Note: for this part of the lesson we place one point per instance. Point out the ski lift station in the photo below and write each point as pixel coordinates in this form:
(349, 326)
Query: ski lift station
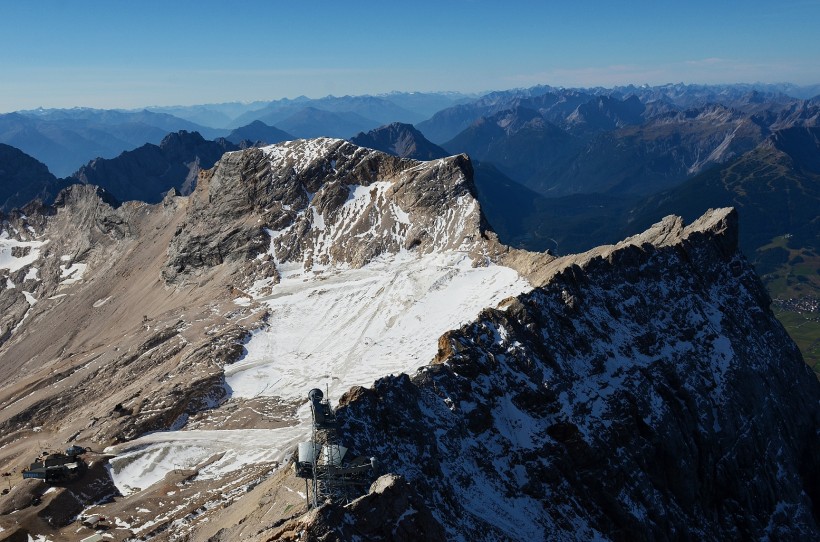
(57, 468)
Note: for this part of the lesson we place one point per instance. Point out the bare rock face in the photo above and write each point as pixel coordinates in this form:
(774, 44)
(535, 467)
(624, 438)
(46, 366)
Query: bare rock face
(298, 200)
(391, 511)
(34, 268)
(645, 392)
(85, 318)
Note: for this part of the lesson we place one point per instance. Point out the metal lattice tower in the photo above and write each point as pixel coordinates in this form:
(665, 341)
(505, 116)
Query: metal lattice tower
(328, 474)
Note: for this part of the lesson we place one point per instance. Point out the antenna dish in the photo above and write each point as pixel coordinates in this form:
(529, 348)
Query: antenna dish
(315, 395)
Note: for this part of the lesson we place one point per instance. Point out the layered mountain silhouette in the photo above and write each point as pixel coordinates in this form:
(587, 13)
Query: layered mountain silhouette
(385, 108)
(401, 140)
(520, 142)
(258, 131)
(64, 139)
(23, 178)
(557, 104)
(312, 122)
(378, 110)
(620, 147)
(147, 173)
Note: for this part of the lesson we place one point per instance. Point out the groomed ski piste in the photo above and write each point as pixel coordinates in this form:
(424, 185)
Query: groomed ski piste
(330, 328)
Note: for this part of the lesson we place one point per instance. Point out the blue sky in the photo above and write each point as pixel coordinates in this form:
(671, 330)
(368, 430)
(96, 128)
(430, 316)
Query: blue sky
(140, 53)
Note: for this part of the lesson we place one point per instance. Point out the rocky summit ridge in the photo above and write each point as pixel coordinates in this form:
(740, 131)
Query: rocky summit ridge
(644, 391)
(326, 202)
(638, 391)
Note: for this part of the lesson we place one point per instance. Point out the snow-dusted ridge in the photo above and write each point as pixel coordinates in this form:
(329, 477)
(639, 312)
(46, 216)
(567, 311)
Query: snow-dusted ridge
(619, 399)
(375, 259)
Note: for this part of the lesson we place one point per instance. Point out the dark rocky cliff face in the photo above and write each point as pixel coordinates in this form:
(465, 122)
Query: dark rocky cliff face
(22, 179)
(643, 392)
(401, 140)
(149, 172)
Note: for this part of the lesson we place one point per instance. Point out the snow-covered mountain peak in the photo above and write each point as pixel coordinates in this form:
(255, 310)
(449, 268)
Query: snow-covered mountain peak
(327, 202)
(359, 260)
(301, 154)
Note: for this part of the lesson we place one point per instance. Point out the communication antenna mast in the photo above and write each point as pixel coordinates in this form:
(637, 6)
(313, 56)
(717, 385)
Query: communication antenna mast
(322, 461)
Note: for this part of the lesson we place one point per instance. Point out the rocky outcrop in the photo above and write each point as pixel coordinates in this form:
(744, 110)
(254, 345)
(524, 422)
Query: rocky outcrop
(324, 201)
(644, 392)
(391, 511)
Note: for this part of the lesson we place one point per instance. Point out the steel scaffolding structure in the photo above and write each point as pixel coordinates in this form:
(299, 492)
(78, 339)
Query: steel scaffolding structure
(322, 461)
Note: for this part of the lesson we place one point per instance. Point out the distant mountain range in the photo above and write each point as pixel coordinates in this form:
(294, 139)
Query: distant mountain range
(383, 108)
(66, 139)
(370, 109)
(258, 131)
(557, 104)
(610, 145)
(312, 122)
(147, 173)
(520, 142)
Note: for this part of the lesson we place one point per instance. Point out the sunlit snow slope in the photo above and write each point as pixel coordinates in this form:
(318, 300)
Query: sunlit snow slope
(369, 276)
(346, 328)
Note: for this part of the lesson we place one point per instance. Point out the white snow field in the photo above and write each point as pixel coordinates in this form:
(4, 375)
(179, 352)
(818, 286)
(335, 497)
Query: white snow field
(14, 263)
(333, 330)
(350, 327)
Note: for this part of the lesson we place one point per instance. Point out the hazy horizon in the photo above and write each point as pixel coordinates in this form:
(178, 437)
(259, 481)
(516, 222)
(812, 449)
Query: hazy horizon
(445, 91)
(133, 55)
